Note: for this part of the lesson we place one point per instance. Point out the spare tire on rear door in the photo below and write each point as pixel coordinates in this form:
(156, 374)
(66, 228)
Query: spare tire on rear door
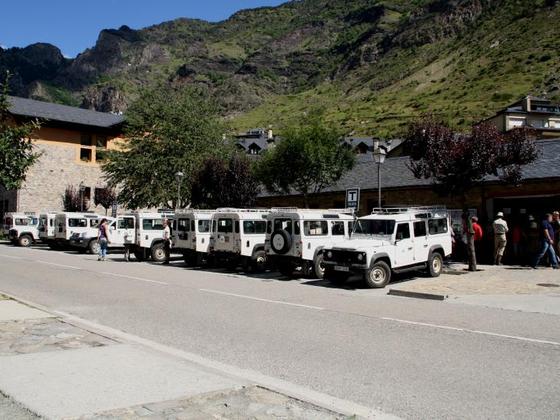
(281, 241)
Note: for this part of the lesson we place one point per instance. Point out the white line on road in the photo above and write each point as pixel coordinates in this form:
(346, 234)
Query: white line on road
(13, 258)
(58, 265)
(124, 276)
(446, 327)
(218, 292)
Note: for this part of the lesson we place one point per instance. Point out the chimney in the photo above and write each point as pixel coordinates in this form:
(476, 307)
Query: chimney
(526, 105)
(269, 134)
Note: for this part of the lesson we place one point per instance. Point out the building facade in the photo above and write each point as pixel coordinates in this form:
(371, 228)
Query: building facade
(72, 143)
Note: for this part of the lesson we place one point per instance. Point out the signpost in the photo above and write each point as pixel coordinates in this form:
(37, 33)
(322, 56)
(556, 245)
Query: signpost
(353, 198)
(114, 208)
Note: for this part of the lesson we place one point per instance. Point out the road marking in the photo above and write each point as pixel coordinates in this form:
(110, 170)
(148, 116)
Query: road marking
(218, 292)
(58, 265)
(9, 256)
(124, 276)
(447, 327)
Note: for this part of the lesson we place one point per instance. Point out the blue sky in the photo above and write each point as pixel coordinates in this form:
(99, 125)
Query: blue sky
(73, 25)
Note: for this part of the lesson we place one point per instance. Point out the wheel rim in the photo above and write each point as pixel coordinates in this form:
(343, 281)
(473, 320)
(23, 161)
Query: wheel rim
(95, 248)
(25, 241)
(278, 243)
(436, 265)
(321, 267)
(260, 261)
(159, 254)
(377, 275)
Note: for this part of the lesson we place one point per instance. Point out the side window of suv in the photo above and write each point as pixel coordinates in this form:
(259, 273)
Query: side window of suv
(420, 229)
(437, 226)
(403, 231)
(338, 228)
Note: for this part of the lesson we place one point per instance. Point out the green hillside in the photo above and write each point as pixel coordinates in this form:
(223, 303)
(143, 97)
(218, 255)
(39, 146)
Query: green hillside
(371, 65)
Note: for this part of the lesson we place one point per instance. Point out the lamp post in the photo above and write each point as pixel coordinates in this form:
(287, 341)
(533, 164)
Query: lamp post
(179, 177)
(379, 157)
(82, 189)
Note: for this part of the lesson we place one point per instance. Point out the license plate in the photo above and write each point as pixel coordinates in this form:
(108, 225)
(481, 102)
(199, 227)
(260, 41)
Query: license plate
(341, 268)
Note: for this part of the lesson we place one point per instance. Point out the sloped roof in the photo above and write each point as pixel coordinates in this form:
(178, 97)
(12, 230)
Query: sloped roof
(395, 172)
(62, 113)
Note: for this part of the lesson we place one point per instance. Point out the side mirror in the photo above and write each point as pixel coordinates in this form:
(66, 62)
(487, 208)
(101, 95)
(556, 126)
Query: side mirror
(113, 228)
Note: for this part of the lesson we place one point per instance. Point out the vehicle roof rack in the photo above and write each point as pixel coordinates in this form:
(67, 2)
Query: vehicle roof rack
(294, 209)
(409, 209)
(234, 210)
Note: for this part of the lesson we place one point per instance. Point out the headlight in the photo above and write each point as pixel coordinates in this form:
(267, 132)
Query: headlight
(329, 255)
(360, 257)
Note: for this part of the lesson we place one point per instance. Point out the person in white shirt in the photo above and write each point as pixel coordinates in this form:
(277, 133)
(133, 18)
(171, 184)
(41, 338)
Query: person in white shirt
(166, 240)
(500, 227)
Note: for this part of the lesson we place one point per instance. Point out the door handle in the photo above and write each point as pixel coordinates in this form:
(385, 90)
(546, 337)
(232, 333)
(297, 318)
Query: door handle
(426, 246)
(410, 249)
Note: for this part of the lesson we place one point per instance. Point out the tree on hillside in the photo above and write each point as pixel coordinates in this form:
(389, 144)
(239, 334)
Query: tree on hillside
(225, 183)
(457, 162)
(167, 131)
(16, 148)
(71, 199)
(309, 158)
(105, 197)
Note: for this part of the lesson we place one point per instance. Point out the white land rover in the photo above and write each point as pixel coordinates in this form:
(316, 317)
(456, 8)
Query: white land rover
(21, 228)
(296, 238)
(69, 223)
(149, 235)
(192, 234)
(238, 237)
(391, 240)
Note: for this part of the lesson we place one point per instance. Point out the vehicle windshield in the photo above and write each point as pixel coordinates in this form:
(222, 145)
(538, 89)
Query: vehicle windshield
(374, 227)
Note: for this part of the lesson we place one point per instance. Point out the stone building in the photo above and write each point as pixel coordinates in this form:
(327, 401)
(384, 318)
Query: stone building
(72, 142)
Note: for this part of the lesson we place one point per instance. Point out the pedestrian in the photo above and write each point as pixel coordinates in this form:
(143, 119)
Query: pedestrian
(478, 235)
(516, 237)
(500, 228)
(103, 239)
(556, 227)
(166, 241)
(547, 243)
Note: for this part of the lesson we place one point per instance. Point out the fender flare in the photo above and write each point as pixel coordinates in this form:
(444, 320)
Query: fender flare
(435, 248)
(256, 248)
(381, 255)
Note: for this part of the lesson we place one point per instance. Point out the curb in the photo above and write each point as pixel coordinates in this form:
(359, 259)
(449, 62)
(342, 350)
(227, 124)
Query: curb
(416, 295)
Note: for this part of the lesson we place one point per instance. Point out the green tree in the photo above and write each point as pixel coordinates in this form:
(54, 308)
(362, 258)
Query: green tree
(167, 131)
(105, 197)
(309, 158)
(225, 183)
(72, 199)
(17, 153)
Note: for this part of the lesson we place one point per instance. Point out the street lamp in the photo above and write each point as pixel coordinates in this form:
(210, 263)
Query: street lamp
(179, 177)
(82, 189)
(379, 157)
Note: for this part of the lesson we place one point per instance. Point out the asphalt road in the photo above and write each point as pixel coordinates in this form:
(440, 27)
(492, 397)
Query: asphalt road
(411, 358)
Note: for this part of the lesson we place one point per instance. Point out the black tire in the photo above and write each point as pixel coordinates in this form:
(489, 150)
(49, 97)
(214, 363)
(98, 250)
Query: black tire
(335, 277)
(25, 241)
(189, 258)
(259, 262)
(378, 276)
(139, 254)
(318, 266)
(435, 264)
(158, 252)
(281, 241)
(94, 247)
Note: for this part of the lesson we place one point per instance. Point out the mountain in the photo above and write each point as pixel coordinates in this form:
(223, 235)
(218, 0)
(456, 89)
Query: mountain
(371, 65)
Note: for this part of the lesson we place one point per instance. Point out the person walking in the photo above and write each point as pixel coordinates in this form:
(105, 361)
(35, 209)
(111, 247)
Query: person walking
(103, 239)
(547, 243)
(477, 235)
(166, 241)
(500, 228)
(556, 227)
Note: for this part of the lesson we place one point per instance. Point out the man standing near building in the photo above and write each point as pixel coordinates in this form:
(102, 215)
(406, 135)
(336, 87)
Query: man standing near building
(166, 240)
(477, 233)
(500, 227)
(547, 243)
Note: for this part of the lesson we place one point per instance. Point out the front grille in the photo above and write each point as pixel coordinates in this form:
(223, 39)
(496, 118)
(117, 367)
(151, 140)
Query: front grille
(343, 257)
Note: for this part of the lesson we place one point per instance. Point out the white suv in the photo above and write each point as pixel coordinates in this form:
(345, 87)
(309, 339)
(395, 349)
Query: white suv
(21, 228)
(238, 237)
(391, 240)
(46, 228)
(149, 235)
(296, 238)
(191, 235)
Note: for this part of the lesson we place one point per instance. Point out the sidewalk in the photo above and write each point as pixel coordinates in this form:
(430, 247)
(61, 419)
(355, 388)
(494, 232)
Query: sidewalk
(58, 370)
(506, 287)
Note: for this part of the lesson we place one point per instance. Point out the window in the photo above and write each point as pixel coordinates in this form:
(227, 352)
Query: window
(283, 224)
(374, 227)
(73, 223)
(338, 228)
(237, 226)
(403, 231)
(225, 225)
(152, 224)
(100, 148)
(85, 155)
(214, 226)
(420, 229)
(184, 225)
(23, 221)
(94, 222)
(204, 226)
(254, 227)
(436, 226)
(315, 228)
(126, 223)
